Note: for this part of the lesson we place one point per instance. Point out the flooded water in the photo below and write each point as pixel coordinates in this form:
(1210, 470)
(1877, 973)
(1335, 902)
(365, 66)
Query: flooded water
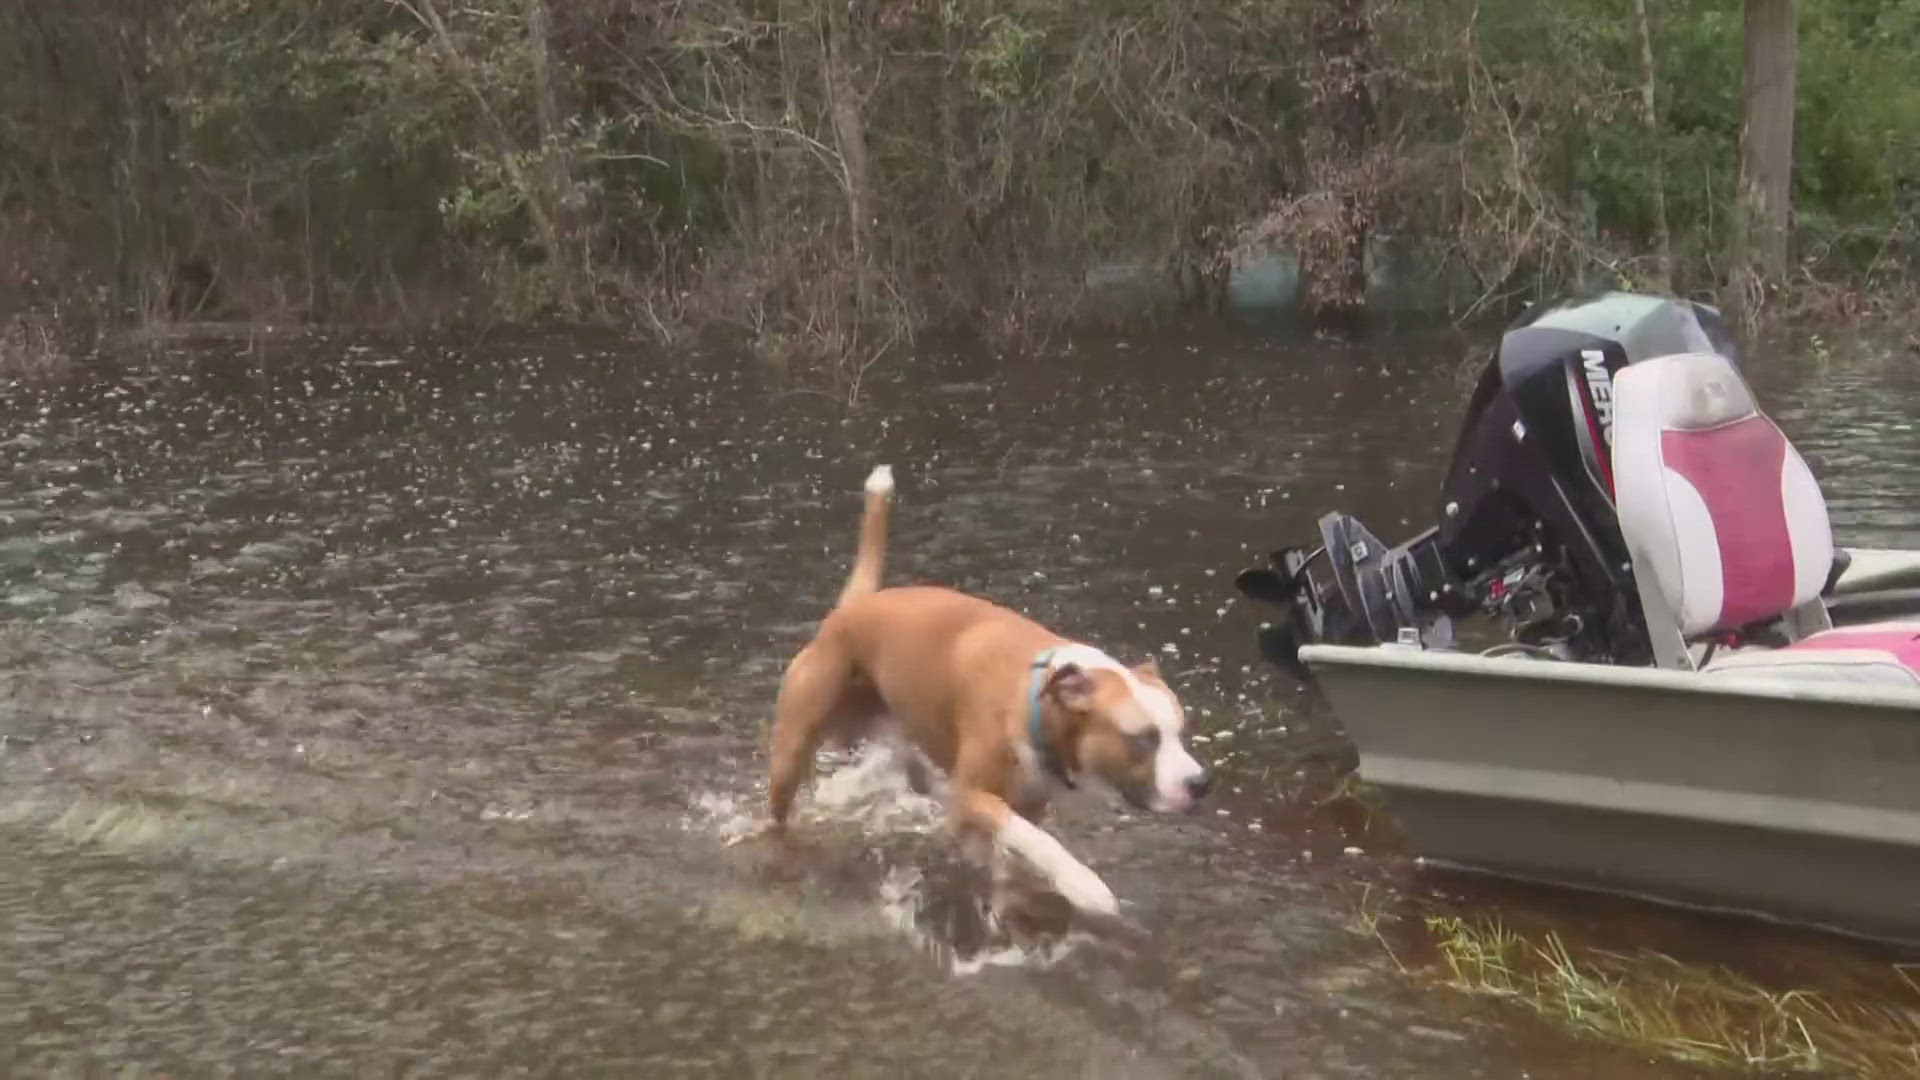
(383, 708)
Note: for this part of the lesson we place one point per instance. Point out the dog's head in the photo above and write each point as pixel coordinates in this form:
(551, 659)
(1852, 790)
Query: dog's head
(1123, 725)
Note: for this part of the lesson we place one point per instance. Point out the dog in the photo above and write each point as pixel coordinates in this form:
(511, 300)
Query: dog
(1010, 711)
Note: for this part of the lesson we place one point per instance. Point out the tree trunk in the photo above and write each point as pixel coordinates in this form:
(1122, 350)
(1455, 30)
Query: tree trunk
(846, 112)
(146, 195)
(1766, 145)
(1335, 261)
(555, 165)
(1650, 117)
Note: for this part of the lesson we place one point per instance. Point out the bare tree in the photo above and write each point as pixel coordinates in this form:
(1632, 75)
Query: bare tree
(1335, 261)
(848, 121)
(535, 190)
(558, 191)
(1650, 116)
(1766, 149)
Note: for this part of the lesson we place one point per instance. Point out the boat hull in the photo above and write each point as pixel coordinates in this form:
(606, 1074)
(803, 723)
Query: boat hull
(1798, 803)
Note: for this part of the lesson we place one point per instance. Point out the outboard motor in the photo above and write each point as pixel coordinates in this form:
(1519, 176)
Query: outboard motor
(1527, 531)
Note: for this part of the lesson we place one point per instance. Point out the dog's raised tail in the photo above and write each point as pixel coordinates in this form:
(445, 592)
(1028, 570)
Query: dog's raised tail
(871, 559)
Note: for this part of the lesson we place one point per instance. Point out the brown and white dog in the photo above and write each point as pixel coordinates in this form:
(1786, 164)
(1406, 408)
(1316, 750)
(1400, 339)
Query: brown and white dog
(1007, 708)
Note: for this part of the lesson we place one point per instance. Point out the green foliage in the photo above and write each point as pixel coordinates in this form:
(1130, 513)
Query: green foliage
(1557, 166)
(1857, 172)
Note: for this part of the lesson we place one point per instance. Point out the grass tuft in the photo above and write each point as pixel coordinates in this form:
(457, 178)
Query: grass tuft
(1700, 1013)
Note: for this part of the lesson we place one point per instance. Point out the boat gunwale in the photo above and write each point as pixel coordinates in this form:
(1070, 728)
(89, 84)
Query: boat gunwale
(1530, 668)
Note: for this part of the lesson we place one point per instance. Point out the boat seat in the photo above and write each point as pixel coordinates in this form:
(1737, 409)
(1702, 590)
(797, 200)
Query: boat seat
(1726, 527)
(1876, 654)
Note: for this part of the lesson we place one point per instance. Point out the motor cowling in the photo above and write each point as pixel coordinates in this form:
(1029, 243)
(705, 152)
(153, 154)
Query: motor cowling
(1525, 529)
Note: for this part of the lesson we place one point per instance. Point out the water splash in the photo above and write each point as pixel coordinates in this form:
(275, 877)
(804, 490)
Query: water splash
(870, 790)
(905, 899)
(728, 815)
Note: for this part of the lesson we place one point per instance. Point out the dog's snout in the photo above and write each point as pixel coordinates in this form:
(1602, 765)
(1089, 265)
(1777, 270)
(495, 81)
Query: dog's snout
(1199, 784)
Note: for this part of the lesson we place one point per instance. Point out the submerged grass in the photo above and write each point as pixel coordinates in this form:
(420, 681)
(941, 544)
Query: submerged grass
(1702, 1013)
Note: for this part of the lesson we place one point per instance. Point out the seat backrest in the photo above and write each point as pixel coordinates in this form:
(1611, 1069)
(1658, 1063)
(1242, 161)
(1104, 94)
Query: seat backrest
(1721, 515)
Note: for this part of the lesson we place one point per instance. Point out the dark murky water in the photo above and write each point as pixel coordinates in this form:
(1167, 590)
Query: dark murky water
(381, 709)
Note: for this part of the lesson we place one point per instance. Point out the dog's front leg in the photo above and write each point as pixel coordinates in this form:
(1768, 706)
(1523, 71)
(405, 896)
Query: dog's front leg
(979, 815)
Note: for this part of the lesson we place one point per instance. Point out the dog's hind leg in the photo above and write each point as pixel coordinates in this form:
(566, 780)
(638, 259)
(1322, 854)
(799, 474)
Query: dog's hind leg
(818, 698)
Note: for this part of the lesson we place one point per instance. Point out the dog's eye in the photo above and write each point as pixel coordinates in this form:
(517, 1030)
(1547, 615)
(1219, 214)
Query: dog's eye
(1146, 741)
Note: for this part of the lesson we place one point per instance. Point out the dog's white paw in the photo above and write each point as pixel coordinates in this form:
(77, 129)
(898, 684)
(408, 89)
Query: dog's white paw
(880, 480)
(766, 830)
(1070, 877)
(1085, 891)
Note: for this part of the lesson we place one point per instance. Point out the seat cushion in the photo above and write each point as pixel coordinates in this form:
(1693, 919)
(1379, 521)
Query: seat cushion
(1715, 504)
(1872, 654)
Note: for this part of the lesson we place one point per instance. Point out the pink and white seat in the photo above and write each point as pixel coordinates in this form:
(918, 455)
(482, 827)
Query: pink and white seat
(1876, 654)
(1727, 527)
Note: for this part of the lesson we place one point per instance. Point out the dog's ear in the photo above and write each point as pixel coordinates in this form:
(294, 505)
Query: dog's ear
(1149, 669)
(1071, 687)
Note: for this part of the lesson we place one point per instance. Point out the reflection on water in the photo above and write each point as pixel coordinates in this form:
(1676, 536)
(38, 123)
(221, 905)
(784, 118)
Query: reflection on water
(377, 705)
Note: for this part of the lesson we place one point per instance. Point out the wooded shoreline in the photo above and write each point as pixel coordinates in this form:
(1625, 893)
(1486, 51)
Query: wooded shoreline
(829, 179)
